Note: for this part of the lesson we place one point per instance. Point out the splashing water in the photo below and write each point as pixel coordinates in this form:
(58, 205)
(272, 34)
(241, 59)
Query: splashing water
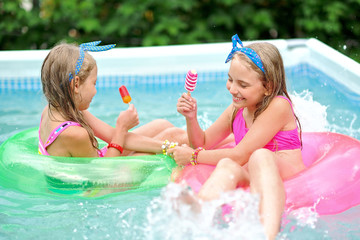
(177, 214)
(312, 114)
(305, 217)
(302, 221)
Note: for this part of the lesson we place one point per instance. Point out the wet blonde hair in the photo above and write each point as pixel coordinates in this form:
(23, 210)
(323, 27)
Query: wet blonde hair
(59, 93)
(273, 80)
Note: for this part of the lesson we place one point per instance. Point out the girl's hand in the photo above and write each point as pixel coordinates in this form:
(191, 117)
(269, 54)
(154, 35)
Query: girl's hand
(128, 118)
(187, 106)
(182, 154)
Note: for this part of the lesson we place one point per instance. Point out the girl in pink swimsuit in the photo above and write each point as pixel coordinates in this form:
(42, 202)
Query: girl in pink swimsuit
(266, 130)
(68, 76)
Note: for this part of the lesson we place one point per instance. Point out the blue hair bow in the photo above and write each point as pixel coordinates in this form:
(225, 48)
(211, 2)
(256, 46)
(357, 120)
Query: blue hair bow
(92, 47)
(254, 57)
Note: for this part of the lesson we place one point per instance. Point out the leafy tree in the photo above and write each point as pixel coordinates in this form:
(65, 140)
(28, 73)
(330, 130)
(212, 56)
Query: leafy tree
(37, 24)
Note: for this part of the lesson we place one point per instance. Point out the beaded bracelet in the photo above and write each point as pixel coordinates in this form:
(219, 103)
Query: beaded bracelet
(117, 146)
(194, 156)
(167, 145)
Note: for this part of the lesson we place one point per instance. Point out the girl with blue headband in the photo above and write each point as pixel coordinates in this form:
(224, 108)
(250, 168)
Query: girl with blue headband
(266, 131)
(68, 129)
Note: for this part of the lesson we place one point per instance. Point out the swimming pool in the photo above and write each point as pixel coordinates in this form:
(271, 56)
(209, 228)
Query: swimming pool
(325, 99)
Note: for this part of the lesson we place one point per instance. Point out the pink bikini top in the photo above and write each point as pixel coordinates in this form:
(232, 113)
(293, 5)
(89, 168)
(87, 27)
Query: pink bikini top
(55, 133)
(283, 140)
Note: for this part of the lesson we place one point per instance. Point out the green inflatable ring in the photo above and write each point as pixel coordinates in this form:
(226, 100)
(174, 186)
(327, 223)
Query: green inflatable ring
(22, 168)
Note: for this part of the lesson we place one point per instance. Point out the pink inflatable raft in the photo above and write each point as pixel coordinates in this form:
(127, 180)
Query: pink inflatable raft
(330, 184)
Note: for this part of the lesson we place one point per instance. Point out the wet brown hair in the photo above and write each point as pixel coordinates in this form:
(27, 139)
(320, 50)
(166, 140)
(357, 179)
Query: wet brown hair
(59, 93)
(273, 80)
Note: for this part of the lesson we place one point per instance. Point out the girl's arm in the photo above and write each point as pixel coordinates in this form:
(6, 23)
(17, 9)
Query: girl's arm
(125, 121)
(187, 106)
(79, 145)
(101, 129)
(133, 142)
(219, 130)
(77, 142)
(138, 143)
(272, 120)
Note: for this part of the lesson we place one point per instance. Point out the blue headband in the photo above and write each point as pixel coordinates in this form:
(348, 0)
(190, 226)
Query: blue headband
(92, 47)
(254, 57)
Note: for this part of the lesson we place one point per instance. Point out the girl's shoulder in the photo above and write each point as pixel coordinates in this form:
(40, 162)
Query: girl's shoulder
(76, 140)
(74, 133)
(278, 108)
(281, 108)
(281, 103)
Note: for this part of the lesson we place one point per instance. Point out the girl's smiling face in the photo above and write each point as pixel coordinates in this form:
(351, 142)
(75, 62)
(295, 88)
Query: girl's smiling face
(244, 85)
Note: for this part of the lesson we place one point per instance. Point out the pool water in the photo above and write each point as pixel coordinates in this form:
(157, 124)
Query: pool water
(321, 103)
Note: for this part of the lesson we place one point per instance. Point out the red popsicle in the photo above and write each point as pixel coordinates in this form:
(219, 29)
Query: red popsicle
(124, 94)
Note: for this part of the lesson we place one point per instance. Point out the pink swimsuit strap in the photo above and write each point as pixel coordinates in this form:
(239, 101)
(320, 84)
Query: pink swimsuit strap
(56, 132)
(283, 140)
(53, 135)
